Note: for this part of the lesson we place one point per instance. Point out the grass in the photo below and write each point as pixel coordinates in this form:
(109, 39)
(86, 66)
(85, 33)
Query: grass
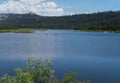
(27, 30)
(16, 30)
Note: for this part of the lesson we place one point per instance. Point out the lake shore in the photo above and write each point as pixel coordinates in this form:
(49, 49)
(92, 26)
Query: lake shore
(105, 31)
(17, 30)
(28, 30)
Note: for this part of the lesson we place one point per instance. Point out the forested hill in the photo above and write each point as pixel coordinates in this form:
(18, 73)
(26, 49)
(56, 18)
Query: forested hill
(109, 20)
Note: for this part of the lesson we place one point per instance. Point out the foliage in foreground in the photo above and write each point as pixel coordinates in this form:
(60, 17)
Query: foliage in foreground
(38, 72)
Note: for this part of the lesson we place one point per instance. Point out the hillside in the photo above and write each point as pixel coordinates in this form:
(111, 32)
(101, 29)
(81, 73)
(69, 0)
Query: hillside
(109, 20)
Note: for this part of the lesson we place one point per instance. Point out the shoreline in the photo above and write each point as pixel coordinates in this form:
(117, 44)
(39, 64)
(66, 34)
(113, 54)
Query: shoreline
(17, 30)
(28, 30)
(105, 31)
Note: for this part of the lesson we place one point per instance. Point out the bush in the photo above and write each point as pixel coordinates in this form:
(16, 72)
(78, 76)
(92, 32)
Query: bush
(38, 72)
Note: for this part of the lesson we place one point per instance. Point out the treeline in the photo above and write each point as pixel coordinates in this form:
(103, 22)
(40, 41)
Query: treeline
(109, 20)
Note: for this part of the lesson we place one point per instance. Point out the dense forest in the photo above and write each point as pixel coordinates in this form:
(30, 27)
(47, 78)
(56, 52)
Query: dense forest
(109, 20)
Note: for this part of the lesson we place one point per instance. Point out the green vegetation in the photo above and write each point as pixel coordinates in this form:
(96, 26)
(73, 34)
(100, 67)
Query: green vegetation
(38, 72)
(19, 30)
(101, 21)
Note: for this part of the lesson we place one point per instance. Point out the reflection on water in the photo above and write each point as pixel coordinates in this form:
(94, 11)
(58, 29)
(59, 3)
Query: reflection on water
(95, 55)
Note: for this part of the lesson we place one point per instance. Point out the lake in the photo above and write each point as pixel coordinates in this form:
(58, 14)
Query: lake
(94, 55)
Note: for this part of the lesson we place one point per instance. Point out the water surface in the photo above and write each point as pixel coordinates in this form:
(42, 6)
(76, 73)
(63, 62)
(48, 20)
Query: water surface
(95, 55)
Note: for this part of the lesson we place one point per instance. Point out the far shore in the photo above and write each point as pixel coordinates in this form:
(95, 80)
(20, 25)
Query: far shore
(30, 30)
(20, 30)
(105, 31)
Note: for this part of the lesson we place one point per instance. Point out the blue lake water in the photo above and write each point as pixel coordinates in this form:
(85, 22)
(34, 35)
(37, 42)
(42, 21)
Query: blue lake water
(94, 55)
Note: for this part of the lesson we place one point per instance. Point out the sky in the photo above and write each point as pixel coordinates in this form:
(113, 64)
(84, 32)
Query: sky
(58, 7)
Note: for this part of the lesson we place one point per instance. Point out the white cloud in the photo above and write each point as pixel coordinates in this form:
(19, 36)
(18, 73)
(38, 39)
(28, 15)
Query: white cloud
(41, 7)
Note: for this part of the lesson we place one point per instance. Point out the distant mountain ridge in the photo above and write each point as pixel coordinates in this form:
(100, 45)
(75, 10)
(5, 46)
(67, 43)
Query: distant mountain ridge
(3, 17)
(109, 20)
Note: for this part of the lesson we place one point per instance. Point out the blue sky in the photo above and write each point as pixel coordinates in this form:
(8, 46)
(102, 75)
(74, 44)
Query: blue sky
(61, 7)
(81, 6)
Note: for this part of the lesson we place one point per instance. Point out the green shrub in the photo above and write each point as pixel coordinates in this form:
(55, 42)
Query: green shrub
(38, 72)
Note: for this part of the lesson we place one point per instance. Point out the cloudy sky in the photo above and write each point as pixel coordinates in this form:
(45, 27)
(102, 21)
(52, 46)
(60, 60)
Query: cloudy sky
(57, 7)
